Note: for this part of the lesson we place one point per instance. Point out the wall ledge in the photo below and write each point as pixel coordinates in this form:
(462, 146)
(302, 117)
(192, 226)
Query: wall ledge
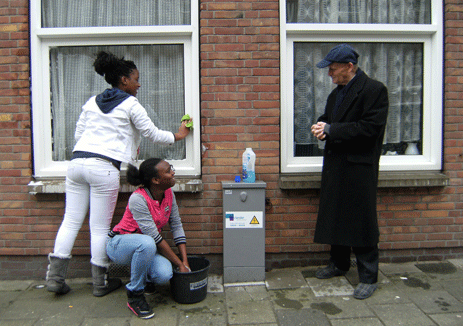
(399, 179)
(58, 185)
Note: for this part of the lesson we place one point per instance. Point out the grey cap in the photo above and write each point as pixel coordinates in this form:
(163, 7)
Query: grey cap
(343, 53)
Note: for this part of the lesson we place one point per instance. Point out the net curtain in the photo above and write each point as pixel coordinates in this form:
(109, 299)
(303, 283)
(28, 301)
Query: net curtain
(74, 80)
(398, 65)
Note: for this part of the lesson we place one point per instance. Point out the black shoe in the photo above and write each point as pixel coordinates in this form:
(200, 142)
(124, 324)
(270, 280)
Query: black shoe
(137, 303)
(364, 291)
(150, 288)
(329, 272)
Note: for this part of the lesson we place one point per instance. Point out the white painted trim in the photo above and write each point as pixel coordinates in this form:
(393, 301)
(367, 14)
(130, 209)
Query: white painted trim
(42, 39)
(430, 35)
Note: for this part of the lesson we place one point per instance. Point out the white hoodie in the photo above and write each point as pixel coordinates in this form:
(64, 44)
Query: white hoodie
(117, 134)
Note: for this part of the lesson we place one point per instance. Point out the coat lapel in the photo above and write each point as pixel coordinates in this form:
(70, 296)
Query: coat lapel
(350, 97)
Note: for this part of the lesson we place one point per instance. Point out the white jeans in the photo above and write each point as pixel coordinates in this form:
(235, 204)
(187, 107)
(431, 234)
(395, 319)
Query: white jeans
(90, 183)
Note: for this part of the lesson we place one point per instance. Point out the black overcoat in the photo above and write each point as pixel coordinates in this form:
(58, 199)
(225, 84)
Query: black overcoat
(347, 214)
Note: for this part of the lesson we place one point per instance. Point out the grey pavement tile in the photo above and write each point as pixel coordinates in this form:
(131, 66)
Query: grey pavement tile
(115, 321)
(391, 269)
(336, 286)
(436, 302)
(215, 284)
(6, 298)
(17, 322)
(388, 293)
(301, 317)
(342, 307)
(198, 319)
(250, 312)
(441, 270)
(456, 262)
(291, 299)
(451, 319)
(406, 314)
(163, 316)
(246, 293)
(284, 279)
(357, 322)
(9, 286)
(454, 288)
(415, 282)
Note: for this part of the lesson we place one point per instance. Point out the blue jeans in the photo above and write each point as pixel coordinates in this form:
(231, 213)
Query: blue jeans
(140, 252)
(91, 183)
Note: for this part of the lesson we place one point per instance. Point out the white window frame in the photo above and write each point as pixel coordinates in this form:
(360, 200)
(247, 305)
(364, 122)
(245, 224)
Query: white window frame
(430, 35)
(43, 39)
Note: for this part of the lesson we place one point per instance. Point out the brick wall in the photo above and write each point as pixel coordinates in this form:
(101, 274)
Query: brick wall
(240, 107)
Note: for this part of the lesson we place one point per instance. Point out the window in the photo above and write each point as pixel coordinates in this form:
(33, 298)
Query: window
(400, 44)
(160, 36)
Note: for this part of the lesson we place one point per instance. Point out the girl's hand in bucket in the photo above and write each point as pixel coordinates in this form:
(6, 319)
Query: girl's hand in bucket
(184, 269)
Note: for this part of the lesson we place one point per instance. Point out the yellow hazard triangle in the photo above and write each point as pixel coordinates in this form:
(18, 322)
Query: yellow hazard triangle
(254, 220)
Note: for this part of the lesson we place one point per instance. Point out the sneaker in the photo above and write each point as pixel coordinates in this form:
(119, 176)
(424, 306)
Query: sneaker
(329, 272)
(363, 290)
(137, 303)
(150, 288)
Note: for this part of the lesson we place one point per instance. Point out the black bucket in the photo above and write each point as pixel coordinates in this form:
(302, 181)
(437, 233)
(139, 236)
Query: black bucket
(191, 287)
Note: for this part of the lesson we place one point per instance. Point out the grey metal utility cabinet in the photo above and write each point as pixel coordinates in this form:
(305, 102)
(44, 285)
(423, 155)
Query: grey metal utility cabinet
(243, 231)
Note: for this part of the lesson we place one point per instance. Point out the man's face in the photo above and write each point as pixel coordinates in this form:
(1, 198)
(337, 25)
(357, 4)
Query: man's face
(340, 73)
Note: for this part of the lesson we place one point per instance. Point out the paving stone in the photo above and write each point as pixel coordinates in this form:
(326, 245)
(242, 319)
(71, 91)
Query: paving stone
(401, 268)
(415, 282)
(406, 314)
(451, 319)
(436, 302)
(251, 312)
(342, 307)
(215, 284)
(388, 293)
(284, 279)
(441, 270)
(357, 322)
(336, 286)
(454, 288)
(456, 262)
(293, 298)
(302, 317)
(11, 286)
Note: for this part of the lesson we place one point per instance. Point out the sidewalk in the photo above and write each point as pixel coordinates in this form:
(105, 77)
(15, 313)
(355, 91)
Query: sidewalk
(417, 294)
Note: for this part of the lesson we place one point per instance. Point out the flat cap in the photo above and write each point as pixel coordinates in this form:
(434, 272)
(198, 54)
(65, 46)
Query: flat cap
(343, 53)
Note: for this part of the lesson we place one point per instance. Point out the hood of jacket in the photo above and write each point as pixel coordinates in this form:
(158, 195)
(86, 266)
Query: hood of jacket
(110, 98)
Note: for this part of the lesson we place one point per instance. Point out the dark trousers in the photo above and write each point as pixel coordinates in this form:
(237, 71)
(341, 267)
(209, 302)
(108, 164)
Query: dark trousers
(367, 261)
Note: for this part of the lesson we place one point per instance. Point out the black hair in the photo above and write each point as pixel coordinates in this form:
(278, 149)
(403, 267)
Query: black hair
(144, 174)
(113, 68)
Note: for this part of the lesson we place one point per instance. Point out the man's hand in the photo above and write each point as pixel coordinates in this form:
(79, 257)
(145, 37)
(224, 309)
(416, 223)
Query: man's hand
(318, 130)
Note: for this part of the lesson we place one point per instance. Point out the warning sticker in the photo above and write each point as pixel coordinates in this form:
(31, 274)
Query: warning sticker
(243, 219)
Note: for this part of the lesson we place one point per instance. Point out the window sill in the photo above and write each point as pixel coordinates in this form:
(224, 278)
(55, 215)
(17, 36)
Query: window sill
(57, 186)
(386, 180)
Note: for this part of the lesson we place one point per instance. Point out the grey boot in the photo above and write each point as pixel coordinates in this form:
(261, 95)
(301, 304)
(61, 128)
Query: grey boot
(56, 274)
(102, 284)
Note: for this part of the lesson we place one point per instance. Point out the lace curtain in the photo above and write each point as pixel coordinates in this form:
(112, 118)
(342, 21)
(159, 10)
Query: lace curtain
(398, 65)
(87, 13)
(74, 80)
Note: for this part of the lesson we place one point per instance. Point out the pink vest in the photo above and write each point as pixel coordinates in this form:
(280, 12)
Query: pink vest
(160, 213)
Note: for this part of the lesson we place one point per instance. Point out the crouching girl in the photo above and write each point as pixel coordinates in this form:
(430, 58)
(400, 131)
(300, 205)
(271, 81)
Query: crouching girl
(136, 240)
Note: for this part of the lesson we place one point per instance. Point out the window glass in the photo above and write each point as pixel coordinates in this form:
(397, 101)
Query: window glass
(359, 11)
(398, 65)
(91, 13)
(74, 81)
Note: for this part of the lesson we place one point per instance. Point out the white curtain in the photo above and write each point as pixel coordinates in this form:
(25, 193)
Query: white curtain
(398, 65)
(74, 80)
(87, 13)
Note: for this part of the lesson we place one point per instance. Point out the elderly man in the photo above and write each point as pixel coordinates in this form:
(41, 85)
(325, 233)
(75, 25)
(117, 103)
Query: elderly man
(353, 128)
